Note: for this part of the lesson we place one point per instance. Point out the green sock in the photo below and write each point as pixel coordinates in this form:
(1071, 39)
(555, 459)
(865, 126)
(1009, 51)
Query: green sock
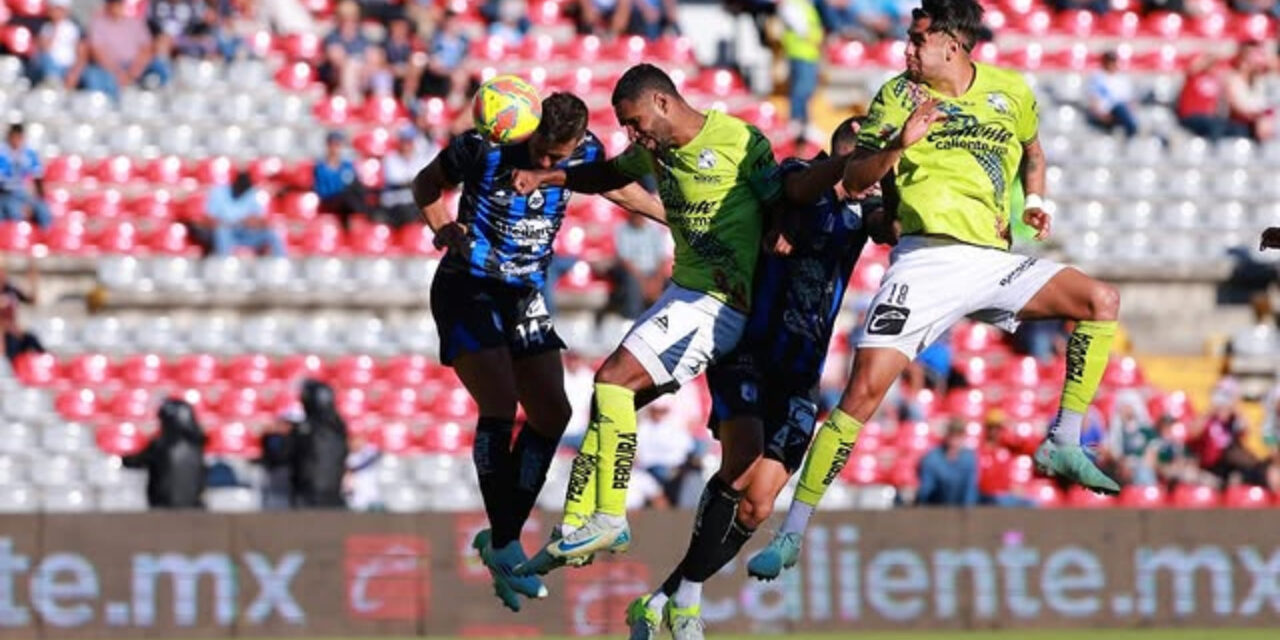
(615, 417)
(827, 456)
(580, 498)
(1087, 353)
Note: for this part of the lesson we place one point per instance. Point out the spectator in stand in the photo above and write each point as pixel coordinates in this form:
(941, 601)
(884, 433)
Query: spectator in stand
(1261, 340)
(121, 53)
(174, 459)
(277, 486)
(640, 273)
(647, 18)
(1246, 97)
(1110, 96)
(995, 462)
(1220, 440)
(1132, 440)
(651, 18)
(182, 27)
(1042, 340)
(510, 21)
(445, 75)
(869, 20)
(362, 487)
(344, 53)
(57, 46)
(399, 167)
(1271, 419)
(22, 181)
(337, 183)
(671, 455)
(239, 220)
(377, 78)
(949, 472)
(1201, 105)
(17, 341)
(398, 49)
(1095, 6)
(802, 37)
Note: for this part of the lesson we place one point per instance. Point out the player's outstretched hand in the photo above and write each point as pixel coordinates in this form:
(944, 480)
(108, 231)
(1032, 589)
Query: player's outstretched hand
(1270, 239)
(453, 236)
(918, 123)
(524, 181)
(1038, 219)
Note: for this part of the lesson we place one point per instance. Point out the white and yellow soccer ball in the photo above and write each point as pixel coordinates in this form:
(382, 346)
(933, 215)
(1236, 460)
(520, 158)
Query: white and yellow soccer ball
(506, 109)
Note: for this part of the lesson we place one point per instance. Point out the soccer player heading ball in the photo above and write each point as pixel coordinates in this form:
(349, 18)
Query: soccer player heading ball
(495, 330)
(954, 135)
(715, 177)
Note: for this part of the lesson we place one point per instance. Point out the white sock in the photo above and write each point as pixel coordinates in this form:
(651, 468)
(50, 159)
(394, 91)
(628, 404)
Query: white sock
(657, 601)
(797, 517)
(1065, 430)
(688, 594)
(611, 520)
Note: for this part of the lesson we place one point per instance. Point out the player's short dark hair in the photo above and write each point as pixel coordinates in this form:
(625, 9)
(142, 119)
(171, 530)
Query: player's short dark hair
(16, 129)
(844, 133)
(641, 79)
(960, 18)
(564, 118)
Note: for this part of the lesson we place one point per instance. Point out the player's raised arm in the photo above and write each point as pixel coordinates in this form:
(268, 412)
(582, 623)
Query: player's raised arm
(635, 199)
(428, 193)
(882, 141)
(808, 186)
(592, 177)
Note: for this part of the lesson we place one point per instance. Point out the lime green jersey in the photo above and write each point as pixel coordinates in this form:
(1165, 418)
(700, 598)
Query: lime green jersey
(956, 180)
(714, 190)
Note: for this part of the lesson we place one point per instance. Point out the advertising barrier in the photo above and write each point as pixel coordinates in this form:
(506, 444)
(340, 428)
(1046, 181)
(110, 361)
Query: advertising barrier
(307, 574)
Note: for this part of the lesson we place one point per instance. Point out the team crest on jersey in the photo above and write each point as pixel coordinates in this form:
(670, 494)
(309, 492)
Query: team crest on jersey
(852, 213)
(998, 102)
(706, 159)
(536, 200)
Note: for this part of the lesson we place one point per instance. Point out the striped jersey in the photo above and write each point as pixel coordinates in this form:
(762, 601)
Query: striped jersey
(511, 235)
(798, 297)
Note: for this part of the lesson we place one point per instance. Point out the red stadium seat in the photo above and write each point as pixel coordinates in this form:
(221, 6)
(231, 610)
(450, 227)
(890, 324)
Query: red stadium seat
(234, 439)
(545, 13)
(1165, 25)
(292, 369)
(1044, 493)
(1256, 27)
(171, 239)
(36, 369)
(248, 370)
(103, 203)
(383, 110)
(447, 437)
(1023, 373)
(115, 170)
(1118, 24)
(92, 369)
(133, 404)
(974, 369)
(69, 168)
(296, 76)
(67, 237)
(416, 239)
(216, 170)
(353, 371)
(1152, 497)
(369, 171)
(1244, 497)
(302, 207)
(397, 437)
(862, 468)
(16, 236)
(17, 39)
(1123, 373)
(674, 50)
(238, 403)
(848, 53)
(332, 111)
(405, 371)
(146, 370)
(399, 403)
(193, 371)
(905, 472)
(321, 239)
(120, 438)
(967, 403)
(1075, 22)
(370, 239)
(165, 170)
(1194, 497)
(266, 169)
(77, 404)
(156, 204)
(1212, 25)
(374, 142)
(352, 403)
(301, 46)
(117, 237)
(888, 54)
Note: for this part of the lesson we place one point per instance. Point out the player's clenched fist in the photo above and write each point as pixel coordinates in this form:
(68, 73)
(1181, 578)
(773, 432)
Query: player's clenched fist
(1038, 219)
(919, 122)
(524, 181)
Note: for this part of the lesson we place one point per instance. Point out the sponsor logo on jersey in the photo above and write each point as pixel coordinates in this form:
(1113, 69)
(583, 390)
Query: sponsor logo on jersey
(706, 159)
(887, 320)
(998, 102)
(536, 200)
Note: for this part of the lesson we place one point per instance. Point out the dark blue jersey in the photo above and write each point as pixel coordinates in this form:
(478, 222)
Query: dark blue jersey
(511, 235)
(798, 297)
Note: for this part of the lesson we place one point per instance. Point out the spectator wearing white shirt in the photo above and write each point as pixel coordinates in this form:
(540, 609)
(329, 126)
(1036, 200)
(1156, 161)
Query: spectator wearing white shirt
(57, 46)
(640, 273)
(240, 222)
(412, 152)
(1110, 96)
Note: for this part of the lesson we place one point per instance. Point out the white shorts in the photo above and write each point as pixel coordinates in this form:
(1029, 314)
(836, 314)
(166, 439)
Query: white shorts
(682, 333)
(932, 283)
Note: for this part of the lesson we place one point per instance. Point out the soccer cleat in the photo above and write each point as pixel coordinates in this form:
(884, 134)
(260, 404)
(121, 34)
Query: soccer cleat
(782, 553)
(643, 621)
(1070, 462)
(501, 564)
(578, 547)
(544, 563)
(686, 623)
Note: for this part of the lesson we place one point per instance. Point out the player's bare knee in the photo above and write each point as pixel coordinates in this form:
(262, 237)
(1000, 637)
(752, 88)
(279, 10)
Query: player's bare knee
(861, 398)
(1104, 302)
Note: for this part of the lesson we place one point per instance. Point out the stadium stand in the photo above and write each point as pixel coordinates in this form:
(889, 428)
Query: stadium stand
(126, 184)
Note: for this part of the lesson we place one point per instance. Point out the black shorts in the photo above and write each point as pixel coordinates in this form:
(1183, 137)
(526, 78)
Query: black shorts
(741, 385)
(473, 314)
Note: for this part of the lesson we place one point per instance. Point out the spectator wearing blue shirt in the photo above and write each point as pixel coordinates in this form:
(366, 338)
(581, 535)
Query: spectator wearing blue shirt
(336, 182)
(344, 53)
(22, 181)
(949, 472)
(239, 219)
(1111, 98)
(445, 75)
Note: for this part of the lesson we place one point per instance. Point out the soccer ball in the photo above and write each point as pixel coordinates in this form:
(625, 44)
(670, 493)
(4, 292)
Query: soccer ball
(506, 109)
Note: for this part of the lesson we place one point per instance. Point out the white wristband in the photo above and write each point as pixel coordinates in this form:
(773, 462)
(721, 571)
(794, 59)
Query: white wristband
(1033, 201)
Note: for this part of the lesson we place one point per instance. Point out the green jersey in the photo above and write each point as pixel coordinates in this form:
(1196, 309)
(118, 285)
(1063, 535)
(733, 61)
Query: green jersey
(714, 190)
(955, 181)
